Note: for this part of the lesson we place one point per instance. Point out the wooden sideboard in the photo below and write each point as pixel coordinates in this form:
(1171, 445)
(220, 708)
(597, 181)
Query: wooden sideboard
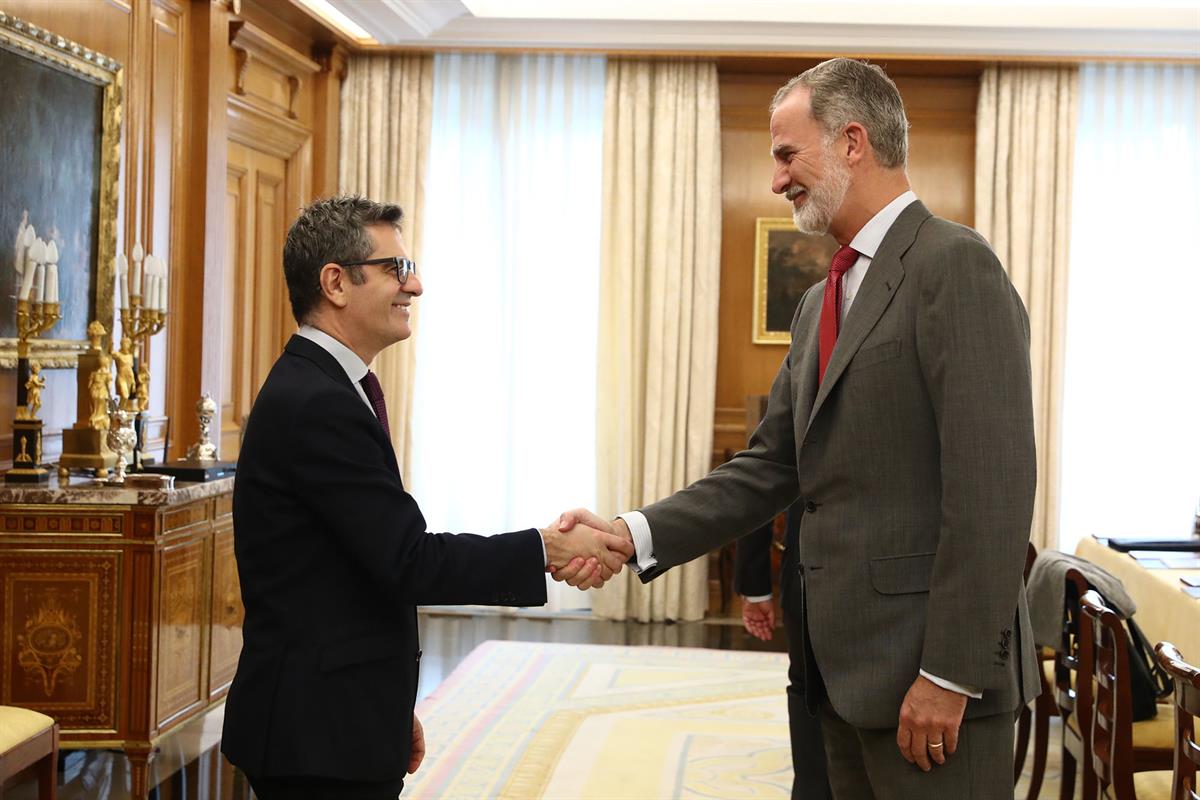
(120, 609)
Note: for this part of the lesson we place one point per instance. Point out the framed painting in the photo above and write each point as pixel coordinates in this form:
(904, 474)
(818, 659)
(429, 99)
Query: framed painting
(786, 263)
(59, 159)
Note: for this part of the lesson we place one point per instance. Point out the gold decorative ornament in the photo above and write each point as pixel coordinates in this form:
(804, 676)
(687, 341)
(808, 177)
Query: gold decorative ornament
(85, 444)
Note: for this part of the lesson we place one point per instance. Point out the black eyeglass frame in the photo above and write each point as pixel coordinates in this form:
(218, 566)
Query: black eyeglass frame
(402, 267)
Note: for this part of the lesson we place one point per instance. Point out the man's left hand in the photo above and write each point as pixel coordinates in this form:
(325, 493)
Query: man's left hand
(418, 746)
(930, 717)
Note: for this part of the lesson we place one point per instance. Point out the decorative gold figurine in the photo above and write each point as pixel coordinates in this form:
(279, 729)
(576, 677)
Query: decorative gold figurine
(85, 444)
(124, 361)
(33, 391)
(99, 392)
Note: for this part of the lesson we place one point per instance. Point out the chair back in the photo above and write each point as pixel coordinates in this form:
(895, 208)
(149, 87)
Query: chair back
(1072, 659)
(1187, 708)
(1112, 708)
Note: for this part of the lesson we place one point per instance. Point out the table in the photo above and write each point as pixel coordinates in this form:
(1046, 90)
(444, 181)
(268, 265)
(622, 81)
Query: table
(1164, 611)
(120, 609)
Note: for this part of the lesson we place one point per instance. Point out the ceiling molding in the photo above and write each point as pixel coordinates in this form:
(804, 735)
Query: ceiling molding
(808, 39)
(827, 29)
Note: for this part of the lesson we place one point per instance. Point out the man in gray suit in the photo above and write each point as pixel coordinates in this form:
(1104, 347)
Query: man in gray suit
(902, 421)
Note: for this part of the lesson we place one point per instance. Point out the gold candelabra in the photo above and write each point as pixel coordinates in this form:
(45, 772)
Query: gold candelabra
(139, 321)
(138, 324)
(34, 318)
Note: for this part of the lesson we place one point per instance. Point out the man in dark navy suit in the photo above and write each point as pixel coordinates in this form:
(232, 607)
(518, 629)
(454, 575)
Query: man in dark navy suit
(332, 552)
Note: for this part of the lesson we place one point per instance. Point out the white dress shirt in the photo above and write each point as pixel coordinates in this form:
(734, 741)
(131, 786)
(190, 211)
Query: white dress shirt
(866, 242)
(355, 369)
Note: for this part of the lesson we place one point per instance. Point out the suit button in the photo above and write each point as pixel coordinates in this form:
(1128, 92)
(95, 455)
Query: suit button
(810, 507)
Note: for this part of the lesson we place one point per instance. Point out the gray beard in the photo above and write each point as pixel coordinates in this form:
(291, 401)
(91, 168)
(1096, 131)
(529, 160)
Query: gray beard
(824, 200)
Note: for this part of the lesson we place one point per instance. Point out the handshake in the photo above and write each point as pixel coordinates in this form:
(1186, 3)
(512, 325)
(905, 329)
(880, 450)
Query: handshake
(586, 550)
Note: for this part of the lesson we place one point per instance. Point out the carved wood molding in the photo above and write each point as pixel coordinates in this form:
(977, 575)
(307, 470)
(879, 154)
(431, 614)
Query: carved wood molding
(250, 42)
(261, 130)
(333, 59)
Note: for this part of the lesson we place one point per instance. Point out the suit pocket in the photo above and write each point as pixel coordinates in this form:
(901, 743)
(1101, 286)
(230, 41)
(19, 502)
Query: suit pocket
(362, 651)
(877, 354)
(902, 574)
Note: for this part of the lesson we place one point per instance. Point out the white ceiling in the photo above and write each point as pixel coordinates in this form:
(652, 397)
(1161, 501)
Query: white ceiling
(1068, 28)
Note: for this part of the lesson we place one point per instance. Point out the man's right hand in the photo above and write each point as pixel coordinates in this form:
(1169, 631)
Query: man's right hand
(589, 573)
(759, 618)
(585, 554)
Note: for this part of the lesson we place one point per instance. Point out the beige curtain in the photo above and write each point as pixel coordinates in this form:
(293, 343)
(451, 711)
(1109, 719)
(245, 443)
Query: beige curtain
(1025, 135)
(660, 270)
(387, 105)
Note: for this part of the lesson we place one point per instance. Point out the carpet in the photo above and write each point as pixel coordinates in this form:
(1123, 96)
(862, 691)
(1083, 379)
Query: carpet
(524, 720)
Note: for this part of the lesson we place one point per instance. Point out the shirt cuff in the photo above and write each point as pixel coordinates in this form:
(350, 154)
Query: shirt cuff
(545, 555)
(762, 598)
(969, 691)
(639, 528)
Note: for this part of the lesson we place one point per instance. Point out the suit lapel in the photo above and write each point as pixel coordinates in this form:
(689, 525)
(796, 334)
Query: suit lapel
(879, 286)
(310, 350)
(807, 335)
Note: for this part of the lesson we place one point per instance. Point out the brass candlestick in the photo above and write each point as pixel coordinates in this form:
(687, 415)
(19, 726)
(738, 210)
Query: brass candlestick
(138, 324)
(33, 319)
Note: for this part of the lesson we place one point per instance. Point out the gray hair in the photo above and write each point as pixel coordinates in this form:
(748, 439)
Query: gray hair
(844, 90)
(330, 231)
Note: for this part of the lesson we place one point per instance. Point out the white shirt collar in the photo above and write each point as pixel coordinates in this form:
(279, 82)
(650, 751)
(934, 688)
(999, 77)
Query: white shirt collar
(355, 369)
(869, 238)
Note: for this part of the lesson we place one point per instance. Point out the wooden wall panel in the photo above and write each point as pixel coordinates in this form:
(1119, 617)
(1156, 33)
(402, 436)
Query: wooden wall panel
(162, 206)
(941, 108)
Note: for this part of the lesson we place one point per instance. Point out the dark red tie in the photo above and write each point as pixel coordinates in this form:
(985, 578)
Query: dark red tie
(831, 306)
(374, 391)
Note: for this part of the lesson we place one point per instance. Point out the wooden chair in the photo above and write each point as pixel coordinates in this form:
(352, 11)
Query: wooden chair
(29, 741)
(1037, 720)
(1111, 736)
(1187, 709)
(1073, 696)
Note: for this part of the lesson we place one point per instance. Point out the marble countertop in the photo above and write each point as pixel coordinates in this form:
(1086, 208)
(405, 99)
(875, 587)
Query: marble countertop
(86, 491)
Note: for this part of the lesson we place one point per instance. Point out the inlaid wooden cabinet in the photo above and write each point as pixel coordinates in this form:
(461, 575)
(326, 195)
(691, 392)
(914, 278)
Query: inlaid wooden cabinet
(120, 610)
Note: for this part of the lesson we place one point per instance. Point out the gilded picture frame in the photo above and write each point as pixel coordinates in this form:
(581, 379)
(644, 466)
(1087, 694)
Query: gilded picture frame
(59, 163)
(786, 264)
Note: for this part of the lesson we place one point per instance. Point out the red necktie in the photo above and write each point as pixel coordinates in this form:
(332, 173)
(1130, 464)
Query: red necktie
(831, 306)
(374, 391)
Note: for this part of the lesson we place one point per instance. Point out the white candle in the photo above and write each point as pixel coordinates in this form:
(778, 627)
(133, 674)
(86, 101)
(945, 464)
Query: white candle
(39, 283)
(51, 272)
(27, 279)
(150, 291)
(123, 280)
(164, 297)
(135, 277)
(19, 249)
(24, 242)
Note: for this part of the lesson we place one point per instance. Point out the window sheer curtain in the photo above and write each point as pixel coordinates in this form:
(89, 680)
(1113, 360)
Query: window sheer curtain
(1131, 431)
(661, 269)
(1025, 129)
(386, 106)
(504, 431)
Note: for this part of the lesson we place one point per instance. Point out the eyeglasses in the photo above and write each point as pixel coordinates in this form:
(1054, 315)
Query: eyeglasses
(399, 266)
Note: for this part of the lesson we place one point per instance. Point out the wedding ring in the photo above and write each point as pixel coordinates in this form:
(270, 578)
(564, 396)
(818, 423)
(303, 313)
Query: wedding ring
(934, 745)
